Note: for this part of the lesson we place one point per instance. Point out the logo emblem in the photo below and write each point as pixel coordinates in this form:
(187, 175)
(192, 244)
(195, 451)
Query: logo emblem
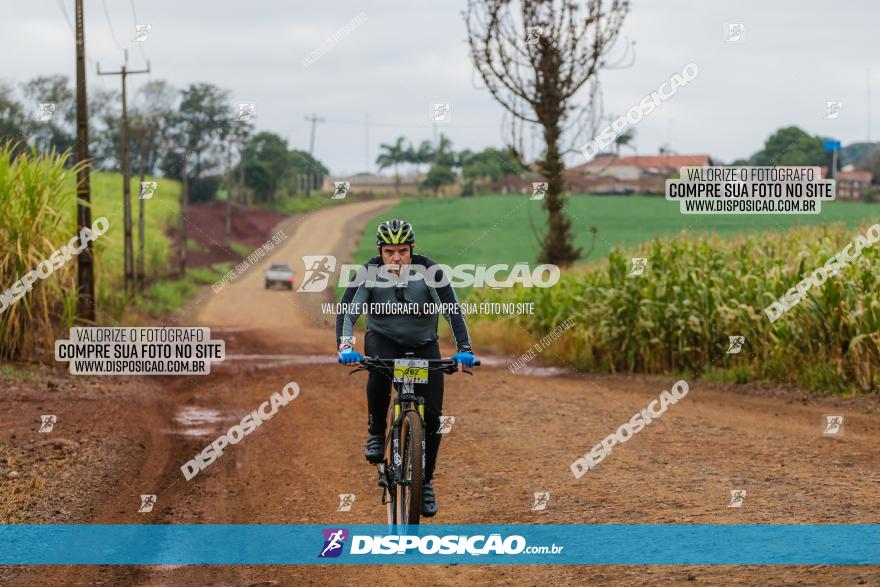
(246, 112)
(47, 111)
(734, 32)
(147, 189)
(832, 109)
(334, 540)
(318, 269)
(47, 422)
(341, 189)
(533, 35)
(446, 423)
(736, 343)
(833, 425)
(141, 31)
(639, 264)
(736, 498)
(346, 500)
(147, 503)
(440, 112)
(541, 500)
(539, 189)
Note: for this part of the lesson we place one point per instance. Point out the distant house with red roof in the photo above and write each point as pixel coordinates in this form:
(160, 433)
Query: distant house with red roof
(850, 184)
(853, 185)
(637, 174)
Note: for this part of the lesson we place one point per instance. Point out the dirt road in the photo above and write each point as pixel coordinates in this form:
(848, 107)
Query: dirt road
(513, 435)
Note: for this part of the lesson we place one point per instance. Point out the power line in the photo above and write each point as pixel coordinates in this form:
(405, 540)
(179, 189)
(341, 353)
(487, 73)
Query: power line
(110, 26)
(314, 120)
(140, 44)
(407, 125)
(124, 72)
(70, 25)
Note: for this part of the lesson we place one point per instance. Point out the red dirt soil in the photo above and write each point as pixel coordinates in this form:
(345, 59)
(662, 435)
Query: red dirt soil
(251, 227)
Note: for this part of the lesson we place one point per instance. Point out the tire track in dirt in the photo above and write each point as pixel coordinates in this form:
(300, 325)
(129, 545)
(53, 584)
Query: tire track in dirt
(513, 436)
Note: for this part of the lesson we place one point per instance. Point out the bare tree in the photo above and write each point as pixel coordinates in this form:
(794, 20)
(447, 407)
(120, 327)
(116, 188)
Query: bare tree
(534, 57)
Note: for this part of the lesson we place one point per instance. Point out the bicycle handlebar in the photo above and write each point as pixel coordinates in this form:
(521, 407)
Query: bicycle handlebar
(445, 365)
(439, 362)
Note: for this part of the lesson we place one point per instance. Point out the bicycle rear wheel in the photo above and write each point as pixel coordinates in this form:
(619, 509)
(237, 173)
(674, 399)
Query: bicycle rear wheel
(408, 499)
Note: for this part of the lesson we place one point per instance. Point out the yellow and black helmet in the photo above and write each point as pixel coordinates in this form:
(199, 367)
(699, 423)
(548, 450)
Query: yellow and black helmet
(395, 232)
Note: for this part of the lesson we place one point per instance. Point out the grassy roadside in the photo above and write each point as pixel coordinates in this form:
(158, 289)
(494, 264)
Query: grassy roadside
(699, 291)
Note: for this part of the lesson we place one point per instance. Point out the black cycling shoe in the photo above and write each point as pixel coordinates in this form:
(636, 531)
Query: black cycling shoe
(374, 449)
(429, 501)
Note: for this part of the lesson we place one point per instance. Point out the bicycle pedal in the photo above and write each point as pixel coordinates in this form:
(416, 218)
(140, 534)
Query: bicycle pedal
(383, 481)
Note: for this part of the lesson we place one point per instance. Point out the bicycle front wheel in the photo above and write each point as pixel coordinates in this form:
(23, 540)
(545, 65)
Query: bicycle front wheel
(408, 500)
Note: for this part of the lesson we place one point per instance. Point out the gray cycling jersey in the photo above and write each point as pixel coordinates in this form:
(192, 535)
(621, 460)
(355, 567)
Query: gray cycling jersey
(411, 329)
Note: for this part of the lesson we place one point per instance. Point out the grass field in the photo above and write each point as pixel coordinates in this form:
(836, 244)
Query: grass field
(161, 211)
(496, 229)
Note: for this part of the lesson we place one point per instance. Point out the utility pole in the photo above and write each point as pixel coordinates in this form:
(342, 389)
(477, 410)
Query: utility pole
(242, 195)
(126, 174)
(229, 191)
(85, 273)
(367, 142)
(314, 119)
(142, 131)
(184, 212)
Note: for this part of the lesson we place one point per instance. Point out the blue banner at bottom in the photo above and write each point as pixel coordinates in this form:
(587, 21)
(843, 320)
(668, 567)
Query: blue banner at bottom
(581, 544)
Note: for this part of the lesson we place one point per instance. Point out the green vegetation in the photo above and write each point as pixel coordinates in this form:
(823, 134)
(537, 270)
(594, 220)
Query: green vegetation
(240, 249)
(495, 229)
(35, 198)
(700, 290)
(160, 212)
(38, 195)
(208, 275)
(10, 373)
(165, 296)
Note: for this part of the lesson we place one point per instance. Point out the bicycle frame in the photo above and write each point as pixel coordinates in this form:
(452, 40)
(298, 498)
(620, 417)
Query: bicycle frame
(391, 472)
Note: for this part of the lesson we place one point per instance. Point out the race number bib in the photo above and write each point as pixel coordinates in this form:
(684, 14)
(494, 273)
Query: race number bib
(411, 370)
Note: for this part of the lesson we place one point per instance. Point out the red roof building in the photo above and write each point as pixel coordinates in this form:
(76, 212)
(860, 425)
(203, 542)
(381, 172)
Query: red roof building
(641, 174)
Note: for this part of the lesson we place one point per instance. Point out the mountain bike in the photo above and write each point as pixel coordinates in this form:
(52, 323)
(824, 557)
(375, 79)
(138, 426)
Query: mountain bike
(401, 475)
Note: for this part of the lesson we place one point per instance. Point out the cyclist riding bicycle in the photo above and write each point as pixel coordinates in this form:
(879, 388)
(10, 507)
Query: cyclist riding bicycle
(390, 335)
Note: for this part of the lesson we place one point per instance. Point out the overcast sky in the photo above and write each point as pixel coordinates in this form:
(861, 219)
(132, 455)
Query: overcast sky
(794, 57)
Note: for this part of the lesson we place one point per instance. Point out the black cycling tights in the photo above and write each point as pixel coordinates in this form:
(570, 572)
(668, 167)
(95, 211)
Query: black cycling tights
(379, 392)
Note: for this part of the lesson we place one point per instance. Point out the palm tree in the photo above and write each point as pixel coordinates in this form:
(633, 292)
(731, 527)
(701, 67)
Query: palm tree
(393, 155)
(425, 154)
(444, 155)
(624, 139)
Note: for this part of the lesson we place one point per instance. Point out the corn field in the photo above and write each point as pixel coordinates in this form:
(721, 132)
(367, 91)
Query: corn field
(698, 291)
(35, 197)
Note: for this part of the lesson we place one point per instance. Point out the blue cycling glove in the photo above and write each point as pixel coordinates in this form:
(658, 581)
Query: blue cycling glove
(349, 356)
(465, 358)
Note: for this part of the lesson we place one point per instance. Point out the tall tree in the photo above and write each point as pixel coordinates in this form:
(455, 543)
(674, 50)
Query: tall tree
(624, 139)
(438, 176)
(443, 153)
(490, 163)
(154, 110)
(393, 156)
(58, 131)
(268, 161)
(535, 77)
(201, 123)
(791, 146)
(423, 155)
(12, 118)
